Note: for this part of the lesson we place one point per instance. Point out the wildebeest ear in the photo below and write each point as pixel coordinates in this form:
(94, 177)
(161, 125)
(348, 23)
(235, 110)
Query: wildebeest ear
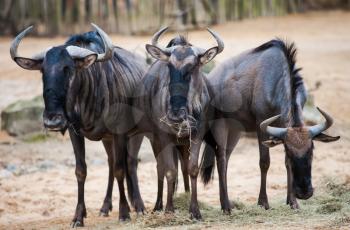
(27, 63)
(157, 53)
(325, 138)
(208, 55)
(272, 143)
(86, 61)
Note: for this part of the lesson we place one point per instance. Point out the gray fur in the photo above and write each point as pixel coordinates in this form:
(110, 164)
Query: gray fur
(248, 89)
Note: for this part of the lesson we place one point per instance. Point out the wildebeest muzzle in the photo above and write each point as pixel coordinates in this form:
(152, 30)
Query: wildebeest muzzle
(55, 121)
(180, 122)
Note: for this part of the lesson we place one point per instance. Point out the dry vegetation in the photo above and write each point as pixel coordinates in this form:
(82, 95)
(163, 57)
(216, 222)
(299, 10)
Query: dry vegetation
(41, 190)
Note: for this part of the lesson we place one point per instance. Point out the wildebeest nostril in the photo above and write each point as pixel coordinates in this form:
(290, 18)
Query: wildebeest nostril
(53, 120)
(182, 114)
(53, 116)
(57, 117)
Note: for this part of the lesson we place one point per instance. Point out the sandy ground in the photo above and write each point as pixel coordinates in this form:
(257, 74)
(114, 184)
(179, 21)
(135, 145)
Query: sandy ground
(41, 192)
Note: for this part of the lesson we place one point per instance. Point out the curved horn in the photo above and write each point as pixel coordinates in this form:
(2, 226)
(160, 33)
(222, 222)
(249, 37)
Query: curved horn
(157, 35)
(107, 42)
(218, 40)
(273, 131)
(319, 128)
(18, 39)
(79, 52)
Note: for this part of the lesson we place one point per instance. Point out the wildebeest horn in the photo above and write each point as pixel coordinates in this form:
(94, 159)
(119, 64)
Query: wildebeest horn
(157, 35)
(218, 40)
(108, 45)
(319, 128)
(273, 131)
(78, 52)
(18, 39)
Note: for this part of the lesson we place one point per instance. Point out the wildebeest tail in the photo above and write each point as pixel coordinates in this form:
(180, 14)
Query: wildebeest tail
(207, 165)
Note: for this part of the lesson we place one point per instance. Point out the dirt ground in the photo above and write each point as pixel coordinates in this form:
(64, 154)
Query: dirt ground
(41, 190)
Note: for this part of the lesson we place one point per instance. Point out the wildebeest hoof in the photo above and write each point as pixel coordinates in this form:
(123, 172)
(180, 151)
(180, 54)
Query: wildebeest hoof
(195, 213)
(169, 210)
(77, 223)
(124, 217)
(226, 211)
(158, 207)
(106, 208)
(80, 213)
(264, 204)
(104, 214)
(139, 206)
(294, 205)
(124, 212)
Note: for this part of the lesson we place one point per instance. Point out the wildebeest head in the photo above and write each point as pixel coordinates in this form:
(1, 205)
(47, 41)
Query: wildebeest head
(184, 62)
(298, 143)
(58, 66)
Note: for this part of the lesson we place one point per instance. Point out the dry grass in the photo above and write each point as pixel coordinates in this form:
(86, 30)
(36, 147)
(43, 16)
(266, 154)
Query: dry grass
(329, 208)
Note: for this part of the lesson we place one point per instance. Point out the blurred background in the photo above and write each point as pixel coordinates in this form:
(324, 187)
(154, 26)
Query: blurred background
(37, 180)
(54, 17)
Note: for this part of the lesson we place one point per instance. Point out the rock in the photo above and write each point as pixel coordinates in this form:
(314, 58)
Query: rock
(11, 167)
(5, 173)
(98, 162)
(46, 164)
(23, 117)
(69, 162)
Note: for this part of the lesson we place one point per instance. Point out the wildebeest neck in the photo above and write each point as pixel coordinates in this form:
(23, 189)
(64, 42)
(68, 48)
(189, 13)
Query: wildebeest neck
(101, 93)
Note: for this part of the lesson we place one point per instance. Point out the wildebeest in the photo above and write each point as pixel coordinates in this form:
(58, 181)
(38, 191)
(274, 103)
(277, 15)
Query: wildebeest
(174, 104)
(249, 89)
(87, 89)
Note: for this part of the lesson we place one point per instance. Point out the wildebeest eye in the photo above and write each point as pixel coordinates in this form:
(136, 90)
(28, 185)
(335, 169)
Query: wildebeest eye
(67, 71)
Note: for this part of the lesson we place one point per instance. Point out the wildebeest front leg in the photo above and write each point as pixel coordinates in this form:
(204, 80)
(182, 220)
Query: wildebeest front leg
(193, 171)
(156, 147)
(119, 162)
(166, 166)
(80, 173)
(107, 203)
(184, 169)
(291, 199)
(170, 161)
(159, 202)
(264, 164)
(134, 144)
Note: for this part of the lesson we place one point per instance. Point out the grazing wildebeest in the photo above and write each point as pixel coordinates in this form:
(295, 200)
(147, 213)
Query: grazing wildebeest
(174, 103)
(87, 89)
(249, 89)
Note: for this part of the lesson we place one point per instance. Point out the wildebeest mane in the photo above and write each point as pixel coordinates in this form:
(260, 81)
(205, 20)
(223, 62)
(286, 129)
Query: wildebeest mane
(290, 52)
(90, 40)
(178, 40)
(298, 93)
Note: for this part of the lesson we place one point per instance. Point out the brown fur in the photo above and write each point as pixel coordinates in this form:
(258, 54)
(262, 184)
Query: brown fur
(298, 140)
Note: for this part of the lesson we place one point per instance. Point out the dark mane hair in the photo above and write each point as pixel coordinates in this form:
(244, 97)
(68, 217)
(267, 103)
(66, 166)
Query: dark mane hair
(296, 81)
(87, 40)
(178, 40)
